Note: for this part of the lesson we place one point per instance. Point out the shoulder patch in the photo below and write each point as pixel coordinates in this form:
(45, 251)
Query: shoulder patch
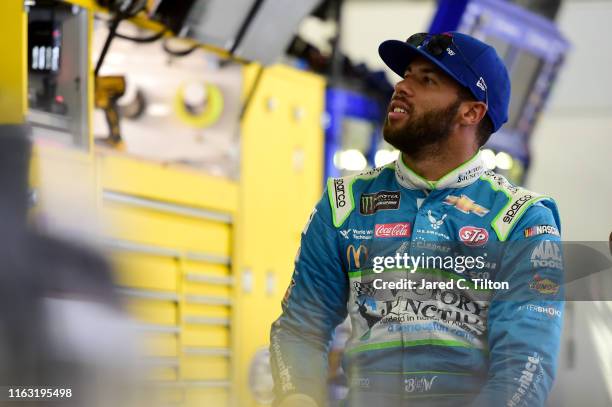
(519, 199)
(340, 191)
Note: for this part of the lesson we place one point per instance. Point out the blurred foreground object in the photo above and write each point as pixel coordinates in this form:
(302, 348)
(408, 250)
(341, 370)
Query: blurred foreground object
(60, 321)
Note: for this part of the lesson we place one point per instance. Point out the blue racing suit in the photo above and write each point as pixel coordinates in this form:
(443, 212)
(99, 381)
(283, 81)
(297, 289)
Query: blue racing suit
(458, 336)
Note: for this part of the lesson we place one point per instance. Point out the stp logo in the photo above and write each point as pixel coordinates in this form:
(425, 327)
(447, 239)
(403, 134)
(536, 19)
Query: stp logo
(401, 229)
(473, 236)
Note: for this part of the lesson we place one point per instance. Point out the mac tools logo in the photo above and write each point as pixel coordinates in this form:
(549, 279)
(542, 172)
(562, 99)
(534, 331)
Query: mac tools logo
(473, 236)
(401, 229)
(547, 254)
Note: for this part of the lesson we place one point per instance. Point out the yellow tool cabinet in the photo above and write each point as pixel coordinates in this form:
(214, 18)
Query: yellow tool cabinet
(201, 262)
(172, 250)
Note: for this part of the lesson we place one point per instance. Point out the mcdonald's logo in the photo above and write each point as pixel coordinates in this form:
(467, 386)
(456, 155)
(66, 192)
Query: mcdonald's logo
(358, 256)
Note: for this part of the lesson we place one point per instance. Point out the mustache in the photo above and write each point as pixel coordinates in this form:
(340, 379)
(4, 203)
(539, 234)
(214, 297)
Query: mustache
(402, 100)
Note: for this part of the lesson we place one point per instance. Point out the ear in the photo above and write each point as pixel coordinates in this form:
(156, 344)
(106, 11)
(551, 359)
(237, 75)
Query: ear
(471, 113)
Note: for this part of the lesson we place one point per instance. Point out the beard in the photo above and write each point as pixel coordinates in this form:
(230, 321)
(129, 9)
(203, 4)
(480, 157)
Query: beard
(427, 130)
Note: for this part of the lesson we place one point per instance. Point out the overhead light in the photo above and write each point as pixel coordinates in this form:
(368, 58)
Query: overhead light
(488, 158)
(337, 159)
(384, 157)
(352, 160)
(504, 161)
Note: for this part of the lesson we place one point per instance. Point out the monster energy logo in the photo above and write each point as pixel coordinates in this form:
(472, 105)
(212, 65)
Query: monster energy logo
(382, 200)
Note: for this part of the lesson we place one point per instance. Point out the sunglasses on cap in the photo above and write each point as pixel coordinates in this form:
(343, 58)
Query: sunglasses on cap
(437, 44)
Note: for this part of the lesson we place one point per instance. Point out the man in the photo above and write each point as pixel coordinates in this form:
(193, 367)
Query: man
(435, 344)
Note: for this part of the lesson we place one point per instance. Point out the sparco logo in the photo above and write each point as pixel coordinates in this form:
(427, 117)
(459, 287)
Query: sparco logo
(401, 229)
(525, 381)
(473, 236)
(340, 194)
(518, 204)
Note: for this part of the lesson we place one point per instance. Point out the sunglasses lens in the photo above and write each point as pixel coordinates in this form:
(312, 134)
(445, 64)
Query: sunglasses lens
(417, 39)
(438, 44)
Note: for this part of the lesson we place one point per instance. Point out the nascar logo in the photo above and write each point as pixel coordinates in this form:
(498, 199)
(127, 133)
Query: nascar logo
(541, 230)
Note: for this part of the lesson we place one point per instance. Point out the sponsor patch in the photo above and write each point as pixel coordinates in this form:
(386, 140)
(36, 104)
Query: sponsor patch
(418, 384)
(544, 285)
(340, 193)
(541, 230)
(516, 206)
(547, 254)
(473, 236)
(401, 229)
(435, 223)
(356, 257)
(369, 204)
(470, 174)
(501, 182)
(465, 205)
(550, 311)
(525, 382)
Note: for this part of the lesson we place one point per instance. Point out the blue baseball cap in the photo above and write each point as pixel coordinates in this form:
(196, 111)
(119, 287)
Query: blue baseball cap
(472, 63)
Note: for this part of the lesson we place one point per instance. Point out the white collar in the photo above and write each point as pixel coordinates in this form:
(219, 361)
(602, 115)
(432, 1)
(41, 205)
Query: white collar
(462, 176)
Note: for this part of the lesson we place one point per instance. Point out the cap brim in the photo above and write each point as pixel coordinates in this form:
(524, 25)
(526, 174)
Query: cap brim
(398, 54)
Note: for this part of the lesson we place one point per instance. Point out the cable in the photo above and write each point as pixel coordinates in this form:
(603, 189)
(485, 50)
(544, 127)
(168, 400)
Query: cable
(180, 53)
(142, 40)
(122, 11)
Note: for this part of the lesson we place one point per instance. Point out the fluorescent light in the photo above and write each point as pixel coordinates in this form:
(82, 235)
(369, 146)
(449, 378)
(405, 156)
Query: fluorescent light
(352, 160)
(504, 161)
(383, 157)
(488, 158)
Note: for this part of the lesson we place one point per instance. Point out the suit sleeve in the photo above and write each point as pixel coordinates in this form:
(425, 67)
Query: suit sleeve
(525, 322)
(314, 304)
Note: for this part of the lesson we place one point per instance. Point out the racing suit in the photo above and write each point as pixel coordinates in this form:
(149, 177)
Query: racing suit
(425, 346)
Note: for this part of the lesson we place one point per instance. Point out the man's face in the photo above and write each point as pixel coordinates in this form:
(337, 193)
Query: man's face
(423, 108)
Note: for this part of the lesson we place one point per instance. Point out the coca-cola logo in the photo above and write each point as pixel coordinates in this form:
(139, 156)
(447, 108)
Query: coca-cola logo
(401, 229)
(473, 236)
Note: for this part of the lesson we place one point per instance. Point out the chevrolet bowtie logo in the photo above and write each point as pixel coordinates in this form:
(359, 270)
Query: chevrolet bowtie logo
(465, 205)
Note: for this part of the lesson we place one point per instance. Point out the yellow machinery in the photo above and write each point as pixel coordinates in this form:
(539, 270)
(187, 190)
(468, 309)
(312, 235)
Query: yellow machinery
(202, 262)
